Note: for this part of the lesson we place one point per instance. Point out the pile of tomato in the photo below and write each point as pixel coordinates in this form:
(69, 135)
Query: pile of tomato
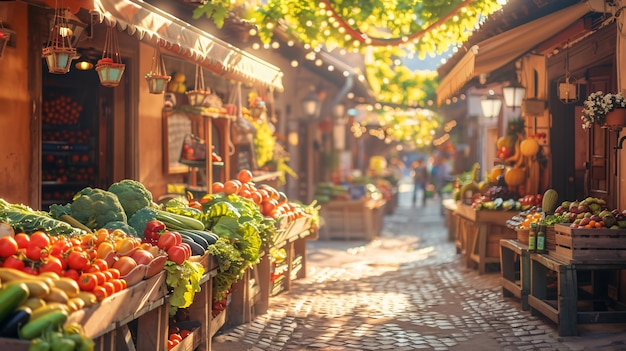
(92, 260)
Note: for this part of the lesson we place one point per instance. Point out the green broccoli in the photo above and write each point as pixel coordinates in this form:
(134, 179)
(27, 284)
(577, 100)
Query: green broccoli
(132, 195)
(139, 220)
(95, 207)
(123, 226)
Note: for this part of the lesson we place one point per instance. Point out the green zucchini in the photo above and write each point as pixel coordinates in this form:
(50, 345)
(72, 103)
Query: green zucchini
(195, 237)
(196, 250)
(210, 237)
(50, 321)
(11, 297)
(178, 221)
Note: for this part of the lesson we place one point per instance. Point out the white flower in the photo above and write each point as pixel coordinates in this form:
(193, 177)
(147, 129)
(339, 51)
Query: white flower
(598, 105)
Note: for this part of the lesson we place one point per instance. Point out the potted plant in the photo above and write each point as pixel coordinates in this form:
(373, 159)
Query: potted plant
(606, 110)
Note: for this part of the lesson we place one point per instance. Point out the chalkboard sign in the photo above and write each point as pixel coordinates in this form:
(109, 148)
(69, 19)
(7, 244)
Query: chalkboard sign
(176, 127)
(244, 157)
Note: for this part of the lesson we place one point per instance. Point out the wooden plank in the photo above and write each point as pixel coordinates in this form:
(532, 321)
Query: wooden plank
(105, 316)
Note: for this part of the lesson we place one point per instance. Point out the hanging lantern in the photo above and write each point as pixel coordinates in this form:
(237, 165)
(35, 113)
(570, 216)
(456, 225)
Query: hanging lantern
(514, 94)
(59, 52)
(200, 96)
(569, 90)
(5, 36)
(157, 78)
(110, 67)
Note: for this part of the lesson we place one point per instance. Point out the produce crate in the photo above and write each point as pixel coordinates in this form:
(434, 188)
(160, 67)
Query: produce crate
(352, 220)
(485, 216)
(589, 245)
(122, 306)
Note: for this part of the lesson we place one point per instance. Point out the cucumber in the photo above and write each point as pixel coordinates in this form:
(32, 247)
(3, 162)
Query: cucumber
(50, 321)
(196, 250)
(177, 221)
(16, 320)
(11, 297)
(195, 237)
(210, 237)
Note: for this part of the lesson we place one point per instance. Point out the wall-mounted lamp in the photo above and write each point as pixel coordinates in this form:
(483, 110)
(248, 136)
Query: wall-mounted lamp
(491, 105)
(311, 104)
(513, 95)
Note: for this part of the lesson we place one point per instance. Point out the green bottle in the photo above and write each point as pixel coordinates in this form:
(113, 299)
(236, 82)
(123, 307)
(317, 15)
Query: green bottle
(541, 237)
(532, 235)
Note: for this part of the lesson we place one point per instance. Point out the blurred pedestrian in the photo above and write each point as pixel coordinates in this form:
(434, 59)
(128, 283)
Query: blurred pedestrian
(421, 178)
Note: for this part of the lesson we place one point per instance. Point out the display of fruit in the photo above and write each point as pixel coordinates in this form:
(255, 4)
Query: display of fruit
(62, 110)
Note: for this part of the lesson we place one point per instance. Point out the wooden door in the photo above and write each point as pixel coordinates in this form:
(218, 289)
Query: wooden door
(601, 167)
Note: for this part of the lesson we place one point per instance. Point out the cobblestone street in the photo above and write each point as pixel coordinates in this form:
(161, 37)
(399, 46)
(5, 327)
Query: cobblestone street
(406, 290)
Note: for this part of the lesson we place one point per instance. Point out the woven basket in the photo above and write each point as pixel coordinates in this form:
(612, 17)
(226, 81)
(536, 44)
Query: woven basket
(522, 235)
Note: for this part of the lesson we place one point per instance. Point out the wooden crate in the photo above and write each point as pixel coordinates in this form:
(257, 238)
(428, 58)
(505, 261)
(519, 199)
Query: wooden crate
(589, 245)
(121, 307)
(352, 220)
(494, 235)
(485, 216)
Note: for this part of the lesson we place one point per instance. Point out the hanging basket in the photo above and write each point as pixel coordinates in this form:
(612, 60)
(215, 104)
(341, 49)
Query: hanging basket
(615, 120)
(157, 78)
(59, 52)
(110, 67)
(200, 96)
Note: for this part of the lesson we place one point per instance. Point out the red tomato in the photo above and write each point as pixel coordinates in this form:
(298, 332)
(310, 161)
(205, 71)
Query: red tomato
(176, 337)
(52, 264)
(167, 240)
(100, 292)
(256, 197)
(33, 252)
(187, 249)
(13, 262)
(170, 344)
(177, 254)
(217, 187)
(59, 248)
(101, 264)
(30, 270)
(124, 264)
(110, 288)
(244, 176)
(8, 246)
(101, 278)
(185, 333)
(71, 273)
(142, 256)
(22, 240)
(114, 272)
(87, 281)
(118, 284)
(78, 260)
(40, 239)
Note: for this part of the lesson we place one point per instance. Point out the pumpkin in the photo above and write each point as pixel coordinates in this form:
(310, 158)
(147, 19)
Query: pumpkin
(529, 147)
(495, 172)
(515, 176)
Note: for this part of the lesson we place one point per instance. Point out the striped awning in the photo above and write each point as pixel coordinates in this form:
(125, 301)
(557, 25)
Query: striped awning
(149, 23)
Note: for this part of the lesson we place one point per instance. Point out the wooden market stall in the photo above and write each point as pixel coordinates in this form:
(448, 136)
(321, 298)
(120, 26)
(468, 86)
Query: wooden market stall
(478, 234)
(352, 219)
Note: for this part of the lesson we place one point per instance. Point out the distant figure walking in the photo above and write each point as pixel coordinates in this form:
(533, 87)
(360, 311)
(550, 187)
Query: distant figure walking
(421, 177)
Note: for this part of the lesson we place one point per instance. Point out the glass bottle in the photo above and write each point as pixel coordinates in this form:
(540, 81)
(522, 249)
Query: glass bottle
(541, 237)
(532, 235)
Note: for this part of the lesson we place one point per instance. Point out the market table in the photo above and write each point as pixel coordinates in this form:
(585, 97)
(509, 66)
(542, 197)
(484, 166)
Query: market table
(478, 234)
(573, 292)
(515, 268)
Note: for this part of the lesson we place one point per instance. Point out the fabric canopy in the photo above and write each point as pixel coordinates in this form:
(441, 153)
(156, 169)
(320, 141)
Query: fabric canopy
(146, 21)
(501, 49)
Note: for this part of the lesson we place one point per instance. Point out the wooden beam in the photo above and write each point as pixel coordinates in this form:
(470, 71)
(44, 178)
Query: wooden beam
(580, 27)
